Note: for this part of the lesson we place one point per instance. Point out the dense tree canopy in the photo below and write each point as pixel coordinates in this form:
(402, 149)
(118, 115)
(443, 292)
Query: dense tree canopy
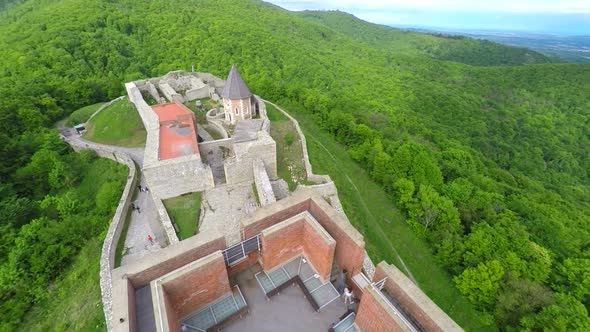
(491, 164)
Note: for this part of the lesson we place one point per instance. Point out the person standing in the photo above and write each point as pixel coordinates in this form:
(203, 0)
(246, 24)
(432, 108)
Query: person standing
(347, 296)
(151, 239)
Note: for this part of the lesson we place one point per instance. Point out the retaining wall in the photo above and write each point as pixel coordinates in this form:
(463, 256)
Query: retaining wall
(109, 246)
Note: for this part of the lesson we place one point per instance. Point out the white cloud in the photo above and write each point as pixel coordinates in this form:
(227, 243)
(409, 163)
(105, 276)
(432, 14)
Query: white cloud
(511, 6)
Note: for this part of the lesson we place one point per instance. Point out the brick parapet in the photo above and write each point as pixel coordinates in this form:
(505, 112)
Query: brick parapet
(376, 315)
(194, 285)
(413, 300)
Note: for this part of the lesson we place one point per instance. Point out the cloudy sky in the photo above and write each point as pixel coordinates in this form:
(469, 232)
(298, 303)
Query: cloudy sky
(558, 16)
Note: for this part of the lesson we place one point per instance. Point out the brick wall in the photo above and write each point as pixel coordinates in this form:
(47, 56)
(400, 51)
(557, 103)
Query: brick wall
(251, 260)
(296, 236)
(374, 316)
(349, 254)
(281, 244)
(172, 263)
(413, 300)
(273, 218)
(131, 308)
(197, 285)
(171, 315)
(319, 251)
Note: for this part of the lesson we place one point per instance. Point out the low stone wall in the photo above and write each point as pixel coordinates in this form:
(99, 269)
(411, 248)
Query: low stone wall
(262, 182)
(217, 124)
(103, 106)
(151, 89)
(165, 219)
(109, 247)
(206, 147)
(170, 93)
(307, 164)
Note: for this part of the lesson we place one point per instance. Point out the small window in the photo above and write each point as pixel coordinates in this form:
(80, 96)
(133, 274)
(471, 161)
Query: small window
(236, 111)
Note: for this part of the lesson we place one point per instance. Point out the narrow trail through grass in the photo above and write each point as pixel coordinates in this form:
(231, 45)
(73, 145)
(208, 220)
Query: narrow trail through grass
(373, 219)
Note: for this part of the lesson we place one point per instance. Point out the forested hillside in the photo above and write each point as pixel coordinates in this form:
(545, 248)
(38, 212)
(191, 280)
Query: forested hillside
(490, 165)
(444, 47)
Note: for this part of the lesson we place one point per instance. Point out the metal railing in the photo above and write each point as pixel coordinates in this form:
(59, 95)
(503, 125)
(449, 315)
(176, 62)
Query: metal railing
(239, 252)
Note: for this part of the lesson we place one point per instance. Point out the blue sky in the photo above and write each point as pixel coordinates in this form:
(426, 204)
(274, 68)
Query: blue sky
(554, 16)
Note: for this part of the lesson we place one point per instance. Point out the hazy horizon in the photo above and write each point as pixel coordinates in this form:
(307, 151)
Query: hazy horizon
(569, 17)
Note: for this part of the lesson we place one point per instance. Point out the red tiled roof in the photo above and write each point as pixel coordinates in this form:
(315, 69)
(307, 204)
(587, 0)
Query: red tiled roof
(178, 133)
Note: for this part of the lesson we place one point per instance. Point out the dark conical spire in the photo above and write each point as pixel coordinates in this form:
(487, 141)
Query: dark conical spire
(235, 88)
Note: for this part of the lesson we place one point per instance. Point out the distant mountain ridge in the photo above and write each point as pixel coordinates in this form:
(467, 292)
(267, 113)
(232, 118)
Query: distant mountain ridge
(443, 47)
(484, 155)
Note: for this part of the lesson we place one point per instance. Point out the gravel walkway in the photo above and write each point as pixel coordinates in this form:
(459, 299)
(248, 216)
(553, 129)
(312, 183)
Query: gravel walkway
(143, 223)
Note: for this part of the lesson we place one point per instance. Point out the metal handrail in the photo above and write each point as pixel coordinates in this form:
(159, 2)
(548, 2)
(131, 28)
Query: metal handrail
(397, 312)
(343, 319)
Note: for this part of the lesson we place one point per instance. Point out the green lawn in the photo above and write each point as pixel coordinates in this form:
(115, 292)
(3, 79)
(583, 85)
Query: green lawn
(207, 103)
(74, 301)
(184, 211)
(83, 114)
(118, 124)
(387, 235)
(289, 153)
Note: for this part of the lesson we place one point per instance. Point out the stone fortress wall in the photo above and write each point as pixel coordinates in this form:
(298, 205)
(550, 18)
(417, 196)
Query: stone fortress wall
(109, 246)
(172, 177)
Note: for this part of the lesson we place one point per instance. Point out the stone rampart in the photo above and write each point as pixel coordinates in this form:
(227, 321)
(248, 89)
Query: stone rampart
(150, 121)
(262, 182)
(239, 168)
(109, 246)
(173, 177)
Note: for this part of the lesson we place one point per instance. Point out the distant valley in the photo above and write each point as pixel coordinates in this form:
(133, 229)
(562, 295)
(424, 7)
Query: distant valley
(567, 48)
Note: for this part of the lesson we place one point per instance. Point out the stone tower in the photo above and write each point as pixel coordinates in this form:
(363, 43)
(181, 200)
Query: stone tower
(237, 98)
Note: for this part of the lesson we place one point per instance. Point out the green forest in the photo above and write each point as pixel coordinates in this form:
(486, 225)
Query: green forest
(483, 148)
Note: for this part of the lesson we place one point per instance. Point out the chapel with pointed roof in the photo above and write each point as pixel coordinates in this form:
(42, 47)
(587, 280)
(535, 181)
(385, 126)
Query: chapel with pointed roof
(237, 98)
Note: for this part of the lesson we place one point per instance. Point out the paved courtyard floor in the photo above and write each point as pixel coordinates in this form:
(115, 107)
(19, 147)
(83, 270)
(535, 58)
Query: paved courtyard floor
(224, 207)
(288, 311)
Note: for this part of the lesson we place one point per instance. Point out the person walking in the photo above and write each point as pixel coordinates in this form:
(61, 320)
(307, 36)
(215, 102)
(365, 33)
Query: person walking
(151, 239)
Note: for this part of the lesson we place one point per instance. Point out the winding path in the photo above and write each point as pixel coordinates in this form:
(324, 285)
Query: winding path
(142, 223)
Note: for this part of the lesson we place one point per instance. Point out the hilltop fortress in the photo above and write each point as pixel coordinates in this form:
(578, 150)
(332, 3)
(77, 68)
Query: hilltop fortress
(256, 237)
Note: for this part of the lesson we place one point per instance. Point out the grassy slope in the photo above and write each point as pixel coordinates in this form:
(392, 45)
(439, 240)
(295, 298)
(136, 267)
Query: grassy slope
(289, 156)
(83, 114)
(118, 124)
(184, 211)
(74, 303)
(372, 212)
(74, 300)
